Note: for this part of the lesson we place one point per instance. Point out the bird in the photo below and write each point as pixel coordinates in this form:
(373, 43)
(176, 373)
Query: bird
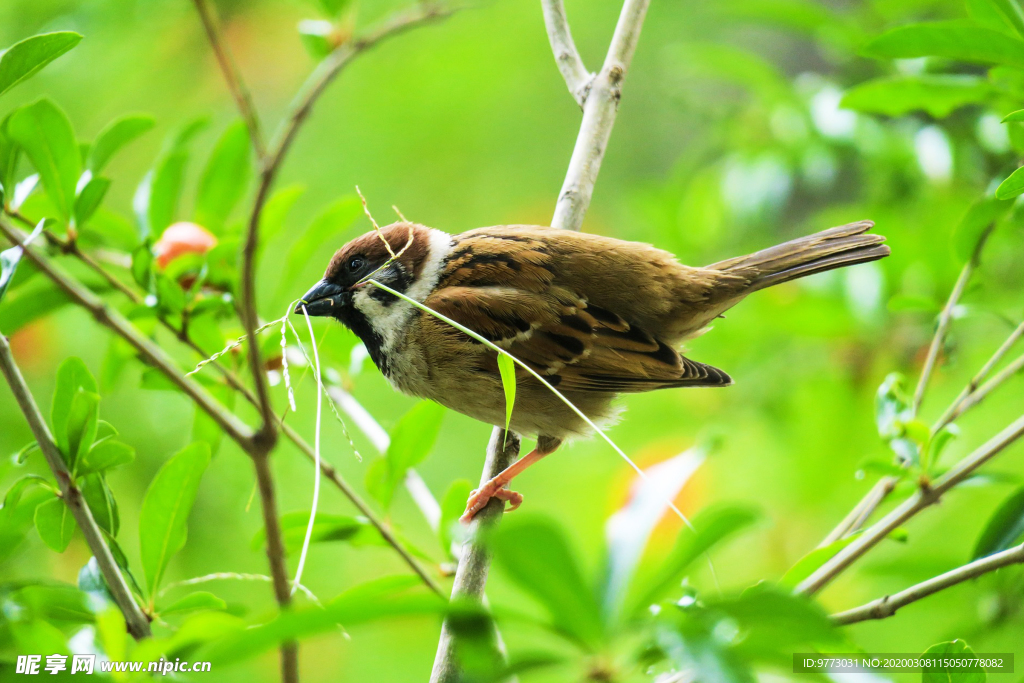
(595, 316)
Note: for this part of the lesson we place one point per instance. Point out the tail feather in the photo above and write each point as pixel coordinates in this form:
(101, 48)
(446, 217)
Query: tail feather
(833, 248)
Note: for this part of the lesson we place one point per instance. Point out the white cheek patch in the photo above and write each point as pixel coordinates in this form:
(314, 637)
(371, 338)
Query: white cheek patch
(390, 321)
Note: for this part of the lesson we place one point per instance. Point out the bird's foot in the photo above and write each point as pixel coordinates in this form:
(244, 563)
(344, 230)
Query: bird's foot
(480, 497)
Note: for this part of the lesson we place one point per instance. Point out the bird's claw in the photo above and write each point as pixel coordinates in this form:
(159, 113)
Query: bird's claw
(479, 498)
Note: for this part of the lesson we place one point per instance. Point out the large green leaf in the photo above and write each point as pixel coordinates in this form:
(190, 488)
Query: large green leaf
(1012, 186)
(83, 419)
(965, 674)
(116, 135)
(163, 519)
(710, 528)
(412, 438)
(55, 524)
(200, 600)
(101, 501)
(537, 557)
(388, 597)
(89, 198)
(807, 564)
(73, 378)
(1002, 15)
(156, 200)
(22, 60)
(10, 153)
(356, 531)
(44, 132)
(225, 178)
(1004, 528)
(978, 220)
(962, 42)
(18, 511)
(936, 94)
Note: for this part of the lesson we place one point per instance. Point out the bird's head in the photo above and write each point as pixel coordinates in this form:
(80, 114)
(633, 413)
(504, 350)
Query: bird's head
(345, 293)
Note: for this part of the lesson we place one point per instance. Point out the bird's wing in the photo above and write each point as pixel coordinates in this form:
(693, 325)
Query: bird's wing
(574, 345)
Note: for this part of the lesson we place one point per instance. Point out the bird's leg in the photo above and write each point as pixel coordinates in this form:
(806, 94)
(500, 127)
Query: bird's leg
(495, 488)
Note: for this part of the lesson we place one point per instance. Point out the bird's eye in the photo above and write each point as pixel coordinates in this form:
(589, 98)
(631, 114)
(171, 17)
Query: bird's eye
(356, 264)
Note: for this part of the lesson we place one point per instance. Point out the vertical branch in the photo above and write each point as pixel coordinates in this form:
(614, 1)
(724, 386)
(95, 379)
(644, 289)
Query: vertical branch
(471, 575)
(239, 91)
(135, 620)
(599, 110)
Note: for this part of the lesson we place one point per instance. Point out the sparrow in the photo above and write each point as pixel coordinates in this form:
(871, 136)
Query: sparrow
(595, 316)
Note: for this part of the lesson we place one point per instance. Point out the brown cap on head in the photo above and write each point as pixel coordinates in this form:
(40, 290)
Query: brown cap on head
(372, 247)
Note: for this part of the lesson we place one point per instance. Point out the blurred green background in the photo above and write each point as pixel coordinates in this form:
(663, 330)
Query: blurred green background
(729, 139)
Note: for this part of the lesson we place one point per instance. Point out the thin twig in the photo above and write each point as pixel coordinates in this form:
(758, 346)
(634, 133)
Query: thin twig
(924, 497)
(599, 113)
(945, 318)
(977, 396)
(862, 511)
(886, 606)
(567, 57)
(236, 84)
(135, 619)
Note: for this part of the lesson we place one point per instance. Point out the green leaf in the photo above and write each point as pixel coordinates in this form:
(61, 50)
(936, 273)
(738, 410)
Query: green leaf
(937, 94)
(73, 378)
(44, 132)
(10, 153)
(333, 8)
(142, 266)
(55, 603)
(276, 210)
(1012, 186)
(163, 519)
(997, 14)
(507, 368)
(200, 600)
(452, 505)
(156, 200)
(775, 621)
(55, 524)
(18, 511)
(962, 42)
(412, 438)
(82, 421)
(1004, 528)
(976, 223)
(966, 674)
(89, 198)
(116, 135)
(810, 562)
(388, 597)
(225, 178)
(537, 558)
(101, 501)
(24, 59)
(328, 225)
(356, 531)
(1014, 116)
(712, 526)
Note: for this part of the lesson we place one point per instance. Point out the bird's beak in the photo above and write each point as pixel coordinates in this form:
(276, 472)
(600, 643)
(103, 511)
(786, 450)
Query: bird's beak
(324, 299)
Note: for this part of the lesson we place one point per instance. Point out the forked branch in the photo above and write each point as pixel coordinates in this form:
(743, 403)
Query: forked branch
(886, 606)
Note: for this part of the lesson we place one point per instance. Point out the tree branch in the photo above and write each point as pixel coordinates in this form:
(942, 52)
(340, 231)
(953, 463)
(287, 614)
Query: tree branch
(862, 511)
(236, 84)
(567, 58)
(599, 113)
(886, 606)
(925, 497)
(471, 575)
(135, 620)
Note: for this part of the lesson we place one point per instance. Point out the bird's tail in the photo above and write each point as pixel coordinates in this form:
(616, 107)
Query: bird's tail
(845, 245)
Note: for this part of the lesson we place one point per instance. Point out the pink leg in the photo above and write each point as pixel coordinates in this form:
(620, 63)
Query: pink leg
(495, 488)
